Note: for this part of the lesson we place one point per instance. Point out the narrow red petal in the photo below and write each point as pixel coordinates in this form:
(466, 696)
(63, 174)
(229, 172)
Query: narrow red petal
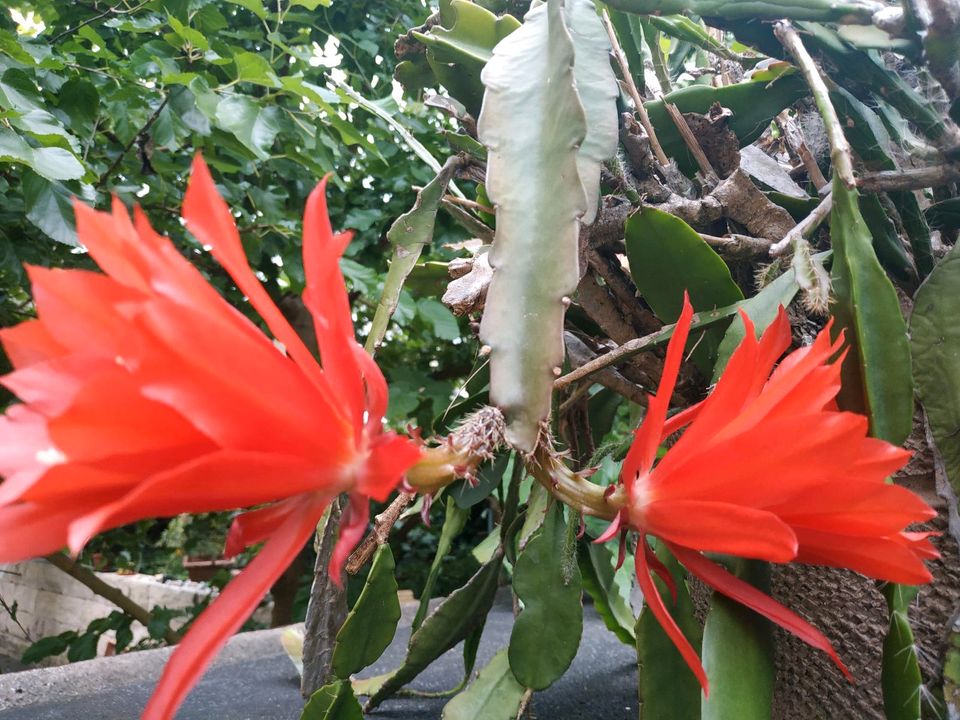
(655, 603)
(662, 572)
(325, 296)
(744, 593)
(255, 526)
(228, 612)
(353, 524)
(643, 451)
(612, 529)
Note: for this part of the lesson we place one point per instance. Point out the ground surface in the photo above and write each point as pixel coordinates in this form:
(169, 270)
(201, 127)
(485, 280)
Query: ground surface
(254, 680)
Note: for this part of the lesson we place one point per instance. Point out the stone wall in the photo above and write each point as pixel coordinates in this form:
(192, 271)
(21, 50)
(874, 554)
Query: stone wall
(50, 602)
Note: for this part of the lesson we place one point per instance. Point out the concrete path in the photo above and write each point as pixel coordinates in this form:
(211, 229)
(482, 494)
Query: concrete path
(254, 680)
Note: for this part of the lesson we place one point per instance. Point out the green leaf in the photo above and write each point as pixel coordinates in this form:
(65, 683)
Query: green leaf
(254, 6)
(876, 374)
(870, 140)
(762, 309)
(935, 345)
(254, 126)
(667, 688)
(550, 592)
(50, 208)
(666, 257)
(454, 620)
(738, 653)
(754, 102)
(370, 686)
(48, 647)
(494, 695)
(409, 234)
(826, 10)
(453, 523)
(609, 599)
(53, 163)
(254, 68)
(489, 477)
(372, 622)
(444, 323)
(311, 5)
(886, 240)
(865, 75)
(457, 50)
(335, 701)
(598, 90)
(531, 124)
(84, 647)
(18, 91)
(188, 35)
(683, 28)
(900, 676)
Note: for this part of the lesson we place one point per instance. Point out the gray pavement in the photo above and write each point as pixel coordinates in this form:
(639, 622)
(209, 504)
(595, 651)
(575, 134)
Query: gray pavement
(254, 680)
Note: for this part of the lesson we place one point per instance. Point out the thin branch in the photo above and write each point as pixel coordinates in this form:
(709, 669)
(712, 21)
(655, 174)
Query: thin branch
(579, 355)
(709, 174)
(634, 92)
(632, 347)
(803, 228)
(742, 245)
(140, 134)
(840, 153)
(109, 11)
(382, 524)
(798, 147)
(473, 205)
(910, 179)
(107, 591)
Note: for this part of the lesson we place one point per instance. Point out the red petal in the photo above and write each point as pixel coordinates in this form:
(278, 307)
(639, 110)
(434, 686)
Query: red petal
(236, 389)
(30, 342)
(228, 612)
(390, 457)
(353, 524)
(209, 219)
(643, 451)
(744, 593)
(679, 420)
(24, 452)
(882, 558)
(325, 296)
(855, 508)
(721, 527)
(612, 529)
(662, 572)
(80, 309)
(223, 480)
(34, 530)
(663, 616)
(252, 527)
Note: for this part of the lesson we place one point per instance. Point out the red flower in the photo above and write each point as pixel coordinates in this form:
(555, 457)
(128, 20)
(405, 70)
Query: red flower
(769, 469)
(146, 394)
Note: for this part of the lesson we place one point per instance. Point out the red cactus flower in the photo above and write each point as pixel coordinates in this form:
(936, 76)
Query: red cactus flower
(769, 469)
(145, 394)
